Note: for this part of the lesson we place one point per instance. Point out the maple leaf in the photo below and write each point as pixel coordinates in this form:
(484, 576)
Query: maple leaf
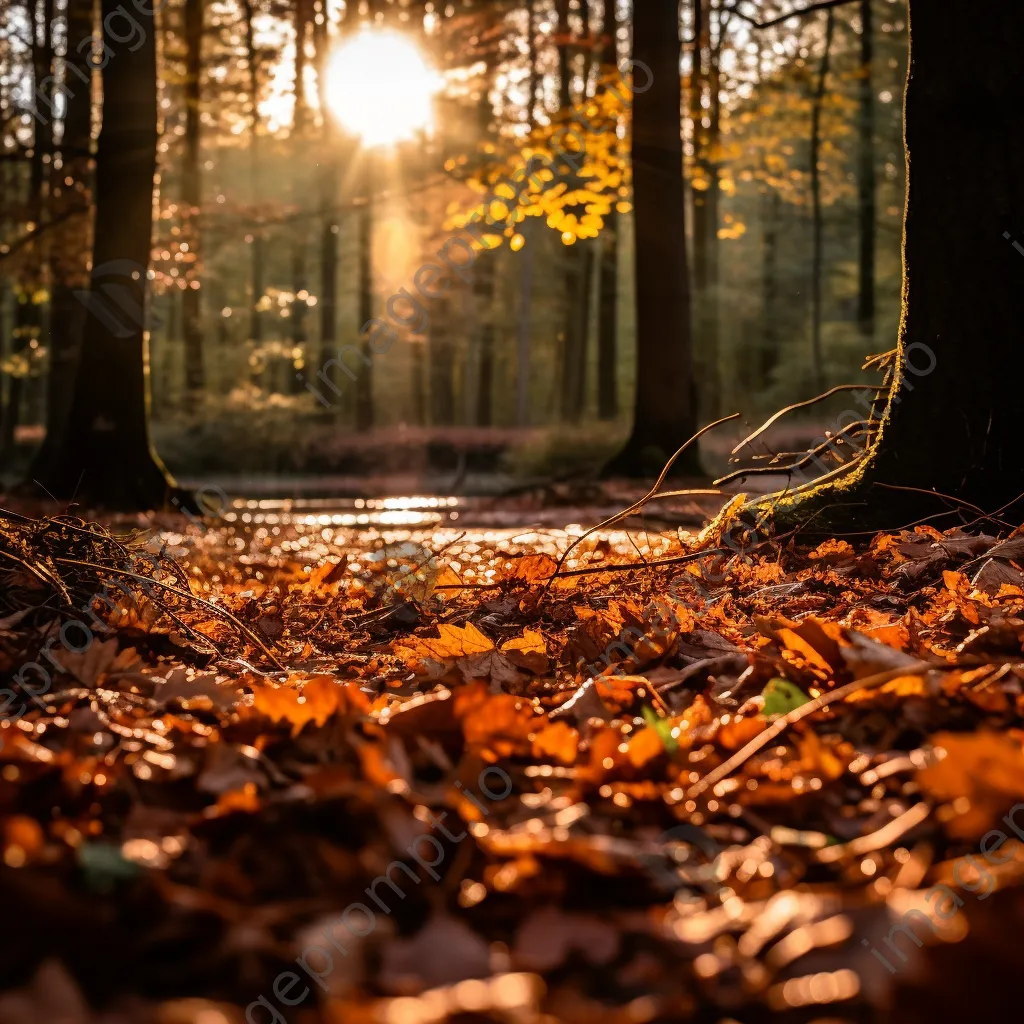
(452, 642)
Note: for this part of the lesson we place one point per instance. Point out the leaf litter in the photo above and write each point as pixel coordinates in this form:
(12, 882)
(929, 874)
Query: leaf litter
(722, 789)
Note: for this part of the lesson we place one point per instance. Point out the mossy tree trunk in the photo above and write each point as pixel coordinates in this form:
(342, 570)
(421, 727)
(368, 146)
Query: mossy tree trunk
(952, 424)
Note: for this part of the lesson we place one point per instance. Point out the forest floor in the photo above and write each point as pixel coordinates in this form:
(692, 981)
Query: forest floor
(304, 765)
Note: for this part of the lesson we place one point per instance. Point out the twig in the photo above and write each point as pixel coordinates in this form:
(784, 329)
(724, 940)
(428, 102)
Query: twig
(797, 714)
(799, 405)
(637, 505)
(208, 605)
(821, 5)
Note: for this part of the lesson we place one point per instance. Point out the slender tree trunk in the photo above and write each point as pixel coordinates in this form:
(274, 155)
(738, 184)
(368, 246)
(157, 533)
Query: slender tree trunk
(301, 115)
(608, 301)
(534, 57)
(485, 378)
(665, 404)
(952, 424)
(28, 316)
(328, 189)
(695, 104)
(608, 324)
(817, 220)
(574, 327)
(256, 265)
(526, 256)
(769, 284)
(419, 384)
(105, 455)
(364, 412)
(191, 194)
(69, 260)
(866, 178)
(709, 344)
(564, 57)
(484, 283)
(442, 365)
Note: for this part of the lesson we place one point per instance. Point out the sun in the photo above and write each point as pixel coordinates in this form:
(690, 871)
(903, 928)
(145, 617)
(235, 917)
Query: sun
(380, 88)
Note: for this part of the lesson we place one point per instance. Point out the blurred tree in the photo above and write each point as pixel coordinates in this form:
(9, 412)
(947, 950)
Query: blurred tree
(665, 412)
(104, 455)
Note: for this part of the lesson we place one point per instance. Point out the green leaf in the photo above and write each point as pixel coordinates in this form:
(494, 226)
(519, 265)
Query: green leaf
(663, 727)
(781, 696)
(104, 866)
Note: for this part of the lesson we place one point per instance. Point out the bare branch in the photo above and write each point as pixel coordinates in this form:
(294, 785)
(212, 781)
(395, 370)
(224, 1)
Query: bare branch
(822, 5)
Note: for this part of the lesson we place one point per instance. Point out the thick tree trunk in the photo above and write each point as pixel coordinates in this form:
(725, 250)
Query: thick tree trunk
(953, 423)
(665, 411)
(866, 179)
(105, 455)
(191, 184)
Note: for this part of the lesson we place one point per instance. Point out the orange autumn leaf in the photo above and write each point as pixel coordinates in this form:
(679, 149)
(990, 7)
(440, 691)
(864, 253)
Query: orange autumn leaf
(901, 686)
(985, 769)
(316, 701)
(533, 569)
(498, 722)
(645, 746)
(798, 652)
(452, 642)
(245, 800)
(740, 730)
(558, 741)
(528, 651)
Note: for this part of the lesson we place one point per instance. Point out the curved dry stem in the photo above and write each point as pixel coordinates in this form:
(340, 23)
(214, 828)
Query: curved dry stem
(619, 516)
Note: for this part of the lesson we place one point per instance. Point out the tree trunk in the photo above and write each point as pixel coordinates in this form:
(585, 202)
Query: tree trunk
(695, 108)
(952, 424)
(69, 261)
(866, 179)
(442, 366)
(105, 455)
(770, 216)
(256, 265)
(191, 185)
(574, 341)
(608, 324)
(28, 318)
(364, 412)
(485, 378)
(665, 409)
(328, 189)
(817, 223)
(484, 284)
(564, 57)
(709, 375)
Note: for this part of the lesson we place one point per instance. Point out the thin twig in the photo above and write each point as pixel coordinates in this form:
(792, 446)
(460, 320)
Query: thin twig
(726, 768)
(639, 504)
(799, 405)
